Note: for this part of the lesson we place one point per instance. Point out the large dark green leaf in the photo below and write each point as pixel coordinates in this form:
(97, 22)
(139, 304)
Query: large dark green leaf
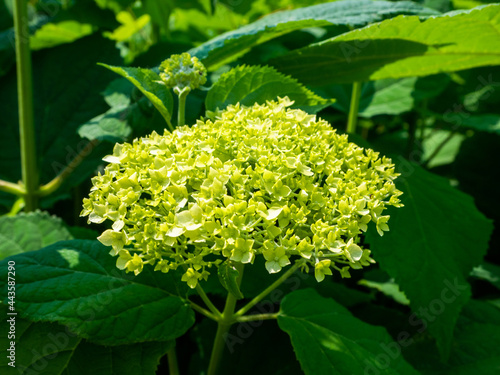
(387, 96)
(476, 345)
(353, 13)
(50, 348)
(67, 87)
(257, 84)
(328, 340)
(433, 244)
(77, 284)
(30, 231)
(149, 83)
(400, 47)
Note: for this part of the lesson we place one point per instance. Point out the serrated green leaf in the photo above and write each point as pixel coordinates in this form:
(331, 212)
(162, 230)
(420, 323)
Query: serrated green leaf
(476, 345)
(433, 244)
(257, 84)
(76, 283)
(228, 275)
(30, 231)
(483, 122)
(328, 340)
(229, 45)
(148, 82)
(51, 348)
(400, 47)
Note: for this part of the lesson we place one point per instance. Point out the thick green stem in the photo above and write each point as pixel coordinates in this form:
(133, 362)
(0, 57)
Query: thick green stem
(173, 366)
(269, 289)
(223, 326)
(181, 113)
(25, 102)
(354, 108)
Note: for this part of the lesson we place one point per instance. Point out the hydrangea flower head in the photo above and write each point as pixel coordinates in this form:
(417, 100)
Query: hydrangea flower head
(180, 71)
(261, 181)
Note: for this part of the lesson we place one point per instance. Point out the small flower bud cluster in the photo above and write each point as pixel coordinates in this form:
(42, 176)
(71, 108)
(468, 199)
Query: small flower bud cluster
(264, 180)
(181, 71)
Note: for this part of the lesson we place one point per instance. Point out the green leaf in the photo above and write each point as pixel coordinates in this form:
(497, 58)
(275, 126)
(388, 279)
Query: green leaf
(489, 272)
(387, 96)
(379, 280)
(400, 47)
(257, 84)
(148, 82)
(229, 45)
(328, 340)
(76, 283)
(476, 345)
(433, 244)
(67, 86)
(110, 126)
(51, 348)
(54, 34)
(30, 231)
(440, 147)
(483, 122)
(228, 275)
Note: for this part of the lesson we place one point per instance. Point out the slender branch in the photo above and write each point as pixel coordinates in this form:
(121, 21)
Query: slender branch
(207, 301)
(57, 181)
(354, 108)
(12, 188)
(223, 327)
(269, 289)
(25, 102)
(173, 366)
(203, 311)
(249, 318)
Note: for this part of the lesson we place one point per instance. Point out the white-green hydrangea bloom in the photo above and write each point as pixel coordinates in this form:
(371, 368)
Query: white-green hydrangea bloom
(180, 71)
(255, 181)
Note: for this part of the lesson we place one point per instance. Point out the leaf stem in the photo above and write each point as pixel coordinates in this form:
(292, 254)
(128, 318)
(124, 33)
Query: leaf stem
(173, 365)
(25, 101)
(223, 326)
(354, 107)
(181, 113)
(12, 188)
(269, 289)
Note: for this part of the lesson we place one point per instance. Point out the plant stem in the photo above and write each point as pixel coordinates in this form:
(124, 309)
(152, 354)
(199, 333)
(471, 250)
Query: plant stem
(223, 326)
(249, 318)
(25, 102)
(354, 108)
(54, 184)
(207, 301)
(203, 311)
(173, 366)
(269, 289)
(181, 113)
